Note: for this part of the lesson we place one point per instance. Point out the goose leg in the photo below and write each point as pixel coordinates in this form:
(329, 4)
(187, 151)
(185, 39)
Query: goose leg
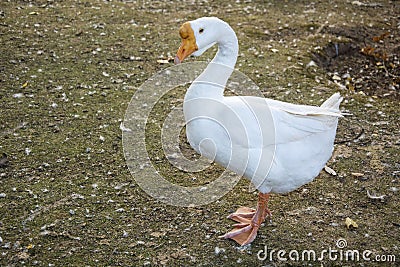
(249, 220)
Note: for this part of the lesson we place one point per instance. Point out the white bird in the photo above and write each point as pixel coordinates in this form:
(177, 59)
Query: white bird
(278, 146)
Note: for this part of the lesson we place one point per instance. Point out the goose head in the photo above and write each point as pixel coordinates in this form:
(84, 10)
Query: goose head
(198, 36)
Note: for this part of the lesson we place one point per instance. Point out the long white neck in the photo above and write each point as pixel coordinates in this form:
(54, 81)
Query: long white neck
(211, 83)
(228, 47)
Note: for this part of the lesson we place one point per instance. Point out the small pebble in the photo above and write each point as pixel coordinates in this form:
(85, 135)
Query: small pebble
(219, 250)
(18, 95)
(125, 234)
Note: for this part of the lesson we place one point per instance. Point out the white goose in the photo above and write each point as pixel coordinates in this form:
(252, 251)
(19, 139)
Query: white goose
(278, 146)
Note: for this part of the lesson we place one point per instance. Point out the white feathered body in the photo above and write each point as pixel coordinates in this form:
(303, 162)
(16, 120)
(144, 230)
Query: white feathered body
(276, 145)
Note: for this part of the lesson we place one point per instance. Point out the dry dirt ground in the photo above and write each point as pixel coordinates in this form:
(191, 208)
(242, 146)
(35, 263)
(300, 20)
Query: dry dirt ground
(68, 70)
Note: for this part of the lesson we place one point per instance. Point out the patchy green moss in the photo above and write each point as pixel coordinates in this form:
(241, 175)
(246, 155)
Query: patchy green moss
(67, 73)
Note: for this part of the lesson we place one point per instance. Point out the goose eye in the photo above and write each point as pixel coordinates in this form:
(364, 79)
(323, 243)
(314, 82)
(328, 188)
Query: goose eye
(201, 30)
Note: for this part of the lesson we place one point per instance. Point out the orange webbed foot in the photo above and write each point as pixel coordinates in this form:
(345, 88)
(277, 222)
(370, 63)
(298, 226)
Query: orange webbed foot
(249, 221)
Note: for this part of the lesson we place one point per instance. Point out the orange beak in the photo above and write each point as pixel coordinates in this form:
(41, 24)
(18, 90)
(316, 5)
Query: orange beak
(188, 45)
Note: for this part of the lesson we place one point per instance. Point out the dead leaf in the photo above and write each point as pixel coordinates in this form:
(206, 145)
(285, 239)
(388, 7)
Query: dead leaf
(22, 256)
(163, 61)
(368, 50)
(380, 37)
(374, 196)
(330, 170)
(157, 234)
(104, 242)
(132, 245)
(357, 174)
(350, 223)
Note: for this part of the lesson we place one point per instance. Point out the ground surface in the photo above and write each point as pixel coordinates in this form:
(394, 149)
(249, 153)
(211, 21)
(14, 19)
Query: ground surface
(68, 70)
